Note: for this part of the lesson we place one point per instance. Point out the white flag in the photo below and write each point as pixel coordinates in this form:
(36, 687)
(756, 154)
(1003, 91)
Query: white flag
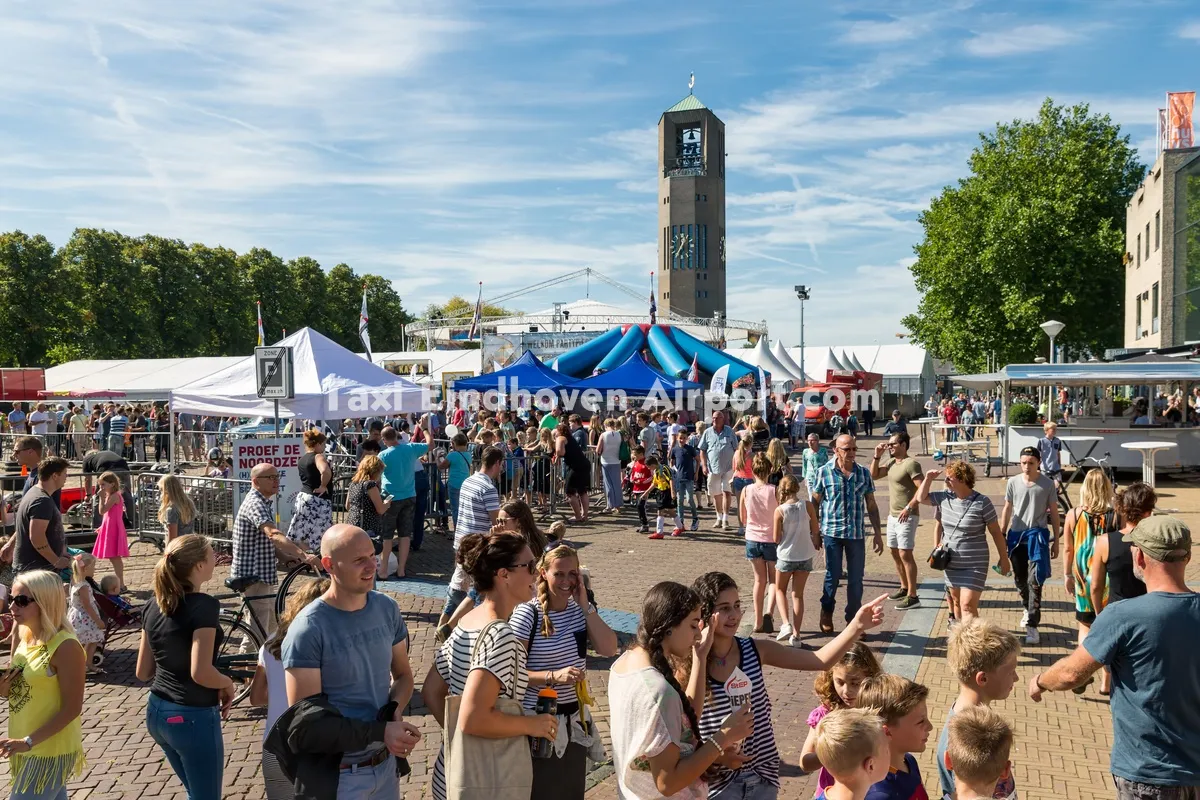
(719, 379)
(763, 390)
(496, 366)
(362, 325)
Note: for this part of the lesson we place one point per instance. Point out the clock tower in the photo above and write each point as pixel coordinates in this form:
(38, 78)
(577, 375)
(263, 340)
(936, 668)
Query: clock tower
(691, 210)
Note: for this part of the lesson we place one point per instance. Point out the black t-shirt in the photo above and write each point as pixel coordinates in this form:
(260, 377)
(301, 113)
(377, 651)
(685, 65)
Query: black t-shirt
(101, 461)
(310, 473)
(171, 642)
(36, 504)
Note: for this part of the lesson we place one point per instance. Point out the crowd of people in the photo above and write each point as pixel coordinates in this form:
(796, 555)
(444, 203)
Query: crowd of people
(689, 710)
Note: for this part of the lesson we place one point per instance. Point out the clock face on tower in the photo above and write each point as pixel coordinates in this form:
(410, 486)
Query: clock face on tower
(682, 244)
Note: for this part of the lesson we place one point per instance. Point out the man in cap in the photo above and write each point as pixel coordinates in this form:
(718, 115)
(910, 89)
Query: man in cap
(1147, 644)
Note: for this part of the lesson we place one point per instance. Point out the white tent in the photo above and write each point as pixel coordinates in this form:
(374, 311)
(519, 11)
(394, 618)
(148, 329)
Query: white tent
(781, 355)
(760, 356)
(850, 361)
(138, 379)
(331, 382)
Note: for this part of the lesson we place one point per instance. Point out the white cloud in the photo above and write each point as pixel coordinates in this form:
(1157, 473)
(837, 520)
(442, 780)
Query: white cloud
(884, 32)
(1022, 39)
(1190, 31)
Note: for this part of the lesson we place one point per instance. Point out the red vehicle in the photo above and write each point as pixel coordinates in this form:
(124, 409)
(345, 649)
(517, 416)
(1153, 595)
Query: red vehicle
(818, 418)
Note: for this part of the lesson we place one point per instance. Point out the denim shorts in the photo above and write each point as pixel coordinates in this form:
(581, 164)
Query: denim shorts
(763, 550)
(794, 566)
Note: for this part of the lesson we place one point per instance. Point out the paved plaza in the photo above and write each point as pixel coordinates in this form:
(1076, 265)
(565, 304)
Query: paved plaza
(1062, 745)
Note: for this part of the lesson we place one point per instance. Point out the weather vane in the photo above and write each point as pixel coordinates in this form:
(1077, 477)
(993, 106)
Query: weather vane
(691, 82)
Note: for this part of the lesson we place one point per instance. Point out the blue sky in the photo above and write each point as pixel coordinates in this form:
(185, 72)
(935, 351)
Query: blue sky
(443, 143)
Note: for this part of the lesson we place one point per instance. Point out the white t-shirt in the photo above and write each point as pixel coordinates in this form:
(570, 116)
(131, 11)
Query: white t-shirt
(646, 717)
(611, 452)
(797, 540)
(40, 420)
(277, 701)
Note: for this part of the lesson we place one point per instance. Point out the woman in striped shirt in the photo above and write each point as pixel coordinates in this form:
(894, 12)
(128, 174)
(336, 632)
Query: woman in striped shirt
(751, 771)
(555, 630)
(502, 568)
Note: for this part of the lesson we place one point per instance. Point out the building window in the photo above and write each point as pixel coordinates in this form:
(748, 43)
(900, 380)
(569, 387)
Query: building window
(1157, 228)
(1147, 241)
(703, 260)
(1154, 308)
(1137, 319)
(1139, 250)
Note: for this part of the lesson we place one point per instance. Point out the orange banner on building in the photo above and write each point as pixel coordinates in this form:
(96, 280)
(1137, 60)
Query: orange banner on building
(1179, 119)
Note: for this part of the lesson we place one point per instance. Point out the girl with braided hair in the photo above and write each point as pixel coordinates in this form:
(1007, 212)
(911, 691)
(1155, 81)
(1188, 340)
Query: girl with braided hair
(752, 771)
(555, 628)
(657, 747)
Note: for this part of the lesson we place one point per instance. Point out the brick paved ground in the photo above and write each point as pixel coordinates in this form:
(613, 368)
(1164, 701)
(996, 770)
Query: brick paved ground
(1062, 746)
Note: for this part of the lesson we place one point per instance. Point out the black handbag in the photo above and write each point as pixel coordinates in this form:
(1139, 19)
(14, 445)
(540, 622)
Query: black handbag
(939, 557)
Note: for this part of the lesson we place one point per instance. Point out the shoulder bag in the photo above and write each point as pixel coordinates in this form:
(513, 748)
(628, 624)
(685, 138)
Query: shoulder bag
(487, 769)
(940, 556)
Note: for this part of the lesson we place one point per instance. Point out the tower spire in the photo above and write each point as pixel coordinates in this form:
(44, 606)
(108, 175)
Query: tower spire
(691, 82)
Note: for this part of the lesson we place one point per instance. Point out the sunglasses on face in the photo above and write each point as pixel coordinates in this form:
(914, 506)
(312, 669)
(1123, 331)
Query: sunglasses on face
(531, 566)
(22, 600)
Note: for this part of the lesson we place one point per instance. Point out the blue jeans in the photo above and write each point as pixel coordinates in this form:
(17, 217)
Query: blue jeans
(418, 531)
(454, 490)
(855, 553)
(454, 598)
(748, 785)
(52, 791)
(611, 473)
(685, 490)
(368, 783)
(190, 737)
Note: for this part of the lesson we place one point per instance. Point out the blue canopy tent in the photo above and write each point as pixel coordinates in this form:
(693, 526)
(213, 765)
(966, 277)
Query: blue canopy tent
(526, 373)
(635, 377)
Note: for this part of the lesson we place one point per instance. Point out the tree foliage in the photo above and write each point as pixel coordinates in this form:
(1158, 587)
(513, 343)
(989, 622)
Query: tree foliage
(107, 295)
(1035, 232)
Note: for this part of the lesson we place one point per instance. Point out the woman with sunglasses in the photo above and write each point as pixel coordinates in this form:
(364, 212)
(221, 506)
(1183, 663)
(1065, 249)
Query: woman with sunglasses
(44, 687)
(502, 567)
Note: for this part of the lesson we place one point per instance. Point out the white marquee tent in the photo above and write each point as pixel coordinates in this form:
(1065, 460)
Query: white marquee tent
(760, 356)
(781, 355)
(139, 380)
(331, 382)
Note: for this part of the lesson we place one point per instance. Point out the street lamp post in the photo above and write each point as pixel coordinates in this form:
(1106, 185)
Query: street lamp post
(804, 293)
(1052, 328)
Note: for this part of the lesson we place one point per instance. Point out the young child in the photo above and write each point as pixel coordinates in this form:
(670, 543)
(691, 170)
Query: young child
(838, 688)
(458, 465)
(664, 492)
(901, 704)
(797, 534)
(1050, 447)
(853, 744)
(684, 459)
(82, 613)
(112, 541)
(978, 750)
(515, 467)
(110, 587)
(641, 479)
(756, 512)
(983, 656)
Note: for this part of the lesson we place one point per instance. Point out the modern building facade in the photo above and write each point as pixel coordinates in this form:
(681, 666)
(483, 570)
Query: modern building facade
(691, 210)
(1162, 254)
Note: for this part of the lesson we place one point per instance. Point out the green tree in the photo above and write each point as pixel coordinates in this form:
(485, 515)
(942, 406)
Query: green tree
(388, 316)
(343, 300)
(179, 317)
(307, 282)
(115, 293)
(1035, 232)
(33, 298)
(228, 302)
(269, 283)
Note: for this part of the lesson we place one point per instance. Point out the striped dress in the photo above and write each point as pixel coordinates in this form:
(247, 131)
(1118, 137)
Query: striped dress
(760, 746)
(500, 654)
(965, 522)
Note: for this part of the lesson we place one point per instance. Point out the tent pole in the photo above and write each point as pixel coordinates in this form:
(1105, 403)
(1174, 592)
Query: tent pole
(171, 441)
(276, 402)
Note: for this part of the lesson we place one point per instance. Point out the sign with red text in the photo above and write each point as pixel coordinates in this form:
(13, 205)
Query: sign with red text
(284, 455)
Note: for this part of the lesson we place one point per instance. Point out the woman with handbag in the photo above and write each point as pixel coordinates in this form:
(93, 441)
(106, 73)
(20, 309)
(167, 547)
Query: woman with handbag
(967, 517)
(555, 630)
(478, 677)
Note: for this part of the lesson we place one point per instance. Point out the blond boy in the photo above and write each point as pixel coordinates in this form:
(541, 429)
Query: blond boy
(853, 747)
(978, 752)
(901, 704)
(1050, 448)
(983, 656)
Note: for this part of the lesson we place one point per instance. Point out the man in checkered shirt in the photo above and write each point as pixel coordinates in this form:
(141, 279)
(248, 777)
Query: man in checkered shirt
(256, 540)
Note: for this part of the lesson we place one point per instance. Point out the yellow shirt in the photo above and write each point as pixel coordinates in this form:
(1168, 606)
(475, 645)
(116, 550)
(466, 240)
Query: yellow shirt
(33, 698)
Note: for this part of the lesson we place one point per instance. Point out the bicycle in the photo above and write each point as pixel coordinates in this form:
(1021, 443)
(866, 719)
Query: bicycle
(1087, 463)
(288, 584)
(237, 657)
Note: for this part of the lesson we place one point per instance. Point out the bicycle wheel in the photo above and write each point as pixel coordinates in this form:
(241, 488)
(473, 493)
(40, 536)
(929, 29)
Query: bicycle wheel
(238, 656)
(292, 582)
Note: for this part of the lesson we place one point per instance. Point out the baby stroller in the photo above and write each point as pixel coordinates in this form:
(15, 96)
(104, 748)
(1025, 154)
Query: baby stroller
(118, 620)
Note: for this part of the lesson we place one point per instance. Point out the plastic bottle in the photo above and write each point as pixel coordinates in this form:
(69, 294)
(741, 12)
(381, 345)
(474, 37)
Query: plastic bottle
(737, 689)
(547, 703)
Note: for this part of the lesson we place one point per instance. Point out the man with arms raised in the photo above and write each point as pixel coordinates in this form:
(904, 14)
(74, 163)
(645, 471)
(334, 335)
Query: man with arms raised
(351, 644)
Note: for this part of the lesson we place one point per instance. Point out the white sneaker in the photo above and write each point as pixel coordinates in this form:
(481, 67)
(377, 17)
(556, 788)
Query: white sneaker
(1031, 635)
(794, 641)
(785, 631)
(1025, 619)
